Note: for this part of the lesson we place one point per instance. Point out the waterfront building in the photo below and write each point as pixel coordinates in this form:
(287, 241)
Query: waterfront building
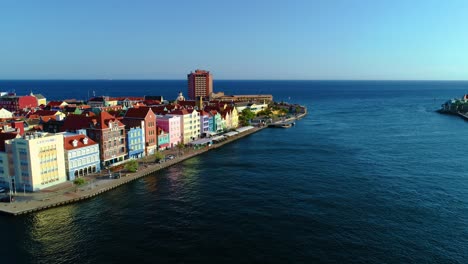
(190, 123)
(200, 83)
(14, 103)
(204, 123)
(172, 125)
(230, 116)
(5, 175)
(255, 107)
(134, 116)
(220, 96)
(81, 155)
(135, 141)
(36, 160)
(109, 132)
(163, 139)
(216, 122)
(5, 114)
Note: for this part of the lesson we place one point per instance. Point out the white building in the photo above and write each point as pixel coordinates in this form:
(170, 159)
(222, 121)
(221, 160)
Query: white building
(5, 113)
(36, 161)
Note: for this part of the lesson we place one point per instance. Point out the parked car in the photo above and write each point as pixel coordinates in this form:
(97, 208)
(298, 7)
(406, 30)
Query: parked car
(6, 199)
(170, 156)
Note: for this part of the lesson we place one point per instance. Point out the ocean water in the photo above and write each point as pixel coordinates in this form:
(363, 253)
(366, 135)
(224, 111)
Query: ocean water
(371, 175)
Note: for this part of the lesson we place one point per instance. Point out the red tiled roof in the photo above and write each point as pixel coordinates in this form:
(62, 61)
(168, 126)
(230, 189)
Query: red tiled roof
(75, 122)
(140, 112)
(54, 103)
(68, 142)
(187, 103)
(45, 113)
(151, 102)
(104, 118)
(180, 112)
(203, 113)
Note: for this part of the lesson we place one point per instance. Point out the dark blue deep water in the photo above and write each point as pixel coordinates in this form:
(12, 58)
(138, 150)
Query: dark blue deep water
(372, 175)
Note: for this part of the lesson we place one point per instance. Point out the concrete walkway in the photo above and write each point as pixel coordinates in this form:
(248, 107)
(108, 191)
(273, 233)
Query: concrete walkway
(66, 193)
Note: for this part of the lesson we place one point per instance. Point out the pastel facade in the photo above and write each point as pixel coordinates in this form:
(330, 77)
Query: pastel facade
(81, 155)
(216, 122)
(5, 178)
(171, 124)
(134, 116)
(135, 142)
(37, 161)
(204, 123)
(163, 139)
(190, 124)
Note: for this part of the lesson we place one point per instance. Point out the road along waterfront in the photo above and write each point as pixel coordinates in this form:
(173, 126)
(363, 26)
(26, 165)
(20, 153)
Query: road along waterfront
(67, 193)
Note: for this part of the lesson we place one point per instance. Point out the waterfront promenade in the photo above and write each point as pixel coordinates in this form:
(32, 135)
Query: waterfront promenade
(67, 193)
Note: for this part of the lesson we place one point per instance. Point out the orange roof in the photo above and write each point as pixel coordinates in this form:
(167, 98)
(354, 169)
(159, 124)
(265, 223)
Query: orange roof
(68, 142)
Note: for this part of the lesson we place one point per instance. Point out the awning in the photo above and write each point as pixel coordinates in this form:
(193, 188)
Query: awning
(201, 141)
(230, 134)
(243, 129)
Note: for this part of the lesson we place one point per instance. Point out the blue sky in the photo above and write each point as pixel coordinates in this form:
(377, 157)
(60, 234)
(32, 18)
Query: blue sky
(329, 39)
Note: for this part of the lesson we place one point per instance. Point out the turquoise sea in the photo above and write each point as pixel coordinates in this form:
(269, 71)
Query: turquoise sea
(372, 175)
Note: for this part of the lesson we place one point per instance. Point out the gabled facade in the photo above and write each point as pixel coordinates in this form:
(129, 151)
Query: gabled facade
(134, 116)
(204, 123)
(109, 132)
(190, 123)
(171, 124)
(216, 122)
(81, 155)
(163, 139)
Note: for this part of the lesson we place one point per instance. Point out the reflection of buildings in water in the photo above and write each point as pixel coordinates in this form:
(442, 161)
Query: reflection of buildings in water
(151, 183)
(55, 230)
(183, 179)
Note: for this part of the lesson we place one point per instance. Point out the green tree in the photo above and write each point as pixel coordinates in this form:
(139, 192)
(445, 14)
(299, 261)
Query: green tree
(79, 181)
(180, 146)
(158, 156)
(245, 116)
(131, 166)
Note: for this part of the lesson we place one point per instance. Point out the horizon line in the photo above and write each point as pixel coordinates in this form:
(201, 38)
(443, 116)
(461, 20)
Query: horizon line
(339, 80)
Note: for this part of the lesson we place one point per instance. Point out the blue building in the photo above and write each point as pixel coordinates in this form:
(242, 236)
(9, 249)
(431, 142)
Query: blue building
(81, 155)
(135, 142)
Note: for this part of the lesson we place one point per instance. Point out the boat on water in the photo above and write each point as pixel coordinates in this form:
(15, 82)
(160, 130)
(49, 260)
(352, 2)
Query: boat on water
(286, 125)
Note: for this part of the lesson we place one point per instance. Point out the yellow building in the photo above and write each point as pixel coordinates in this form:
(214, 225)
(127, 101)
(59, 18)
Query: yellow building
(190, 124)
(36, 161)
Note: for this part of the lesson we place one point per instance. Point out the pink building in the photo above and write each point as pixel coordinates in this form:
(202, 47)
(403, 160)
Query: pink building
(172, 125)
